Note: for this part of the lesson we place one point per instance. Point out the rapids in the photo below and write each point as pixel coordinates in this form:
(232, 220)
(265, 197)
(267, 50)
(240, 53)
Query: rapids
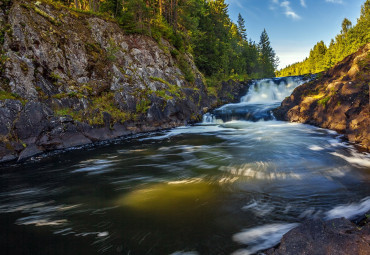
(233, 184)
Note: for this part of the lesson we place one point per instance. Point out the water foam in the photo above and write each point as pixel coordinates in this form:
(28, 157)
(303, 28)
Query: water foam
(349, 211)
(358, 159)
(262, 237)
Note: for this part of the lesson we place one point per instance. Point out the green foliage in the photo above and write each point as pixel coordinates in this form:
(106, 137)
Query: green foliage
(324, 101)
(173, 90)
(8, 95)
(47, 16)
(94, 113)
(241, 28)
(200, 27)
(112, 51)
(54, 76)
(268, 57)
(185, 68)
(322, 57)
(5, 29)
(143, 106)
(3, 59)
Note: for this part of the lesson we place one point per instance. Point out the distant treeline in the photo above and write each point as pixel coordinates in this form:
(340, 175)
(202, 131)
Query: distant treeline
(203, 28)
(322, 57)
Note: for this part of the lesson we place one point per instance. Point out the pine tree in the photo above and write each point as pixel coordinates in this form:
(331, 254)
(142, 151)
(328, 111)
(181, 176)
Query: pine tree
(267, 56)
(241, 28)
(346, 25)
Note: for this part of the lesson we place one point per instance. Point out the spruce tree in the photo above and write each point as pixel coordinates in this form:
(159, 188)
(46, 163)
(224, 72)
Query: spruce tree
(268, 59)
(241, 28)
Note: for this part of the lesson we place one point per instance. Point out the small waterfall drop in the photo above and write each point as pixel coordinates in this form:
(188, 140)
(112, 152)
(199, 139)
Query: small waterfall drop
(262, 97)
(269, 91)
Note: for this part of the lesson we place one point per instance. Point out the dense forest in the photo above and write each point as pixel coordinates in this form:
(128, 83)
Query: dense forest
(348, 41)
(203, 28)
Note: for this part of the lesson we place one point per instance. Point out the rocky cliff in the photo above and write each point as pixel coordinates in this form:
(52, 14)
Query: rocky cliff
(71, 78)
(338, 99)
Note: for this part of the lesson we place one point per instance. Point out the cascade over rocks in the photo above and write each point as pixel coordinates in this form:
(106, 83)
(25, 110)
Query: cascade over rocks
(69, 78)
(337, 100)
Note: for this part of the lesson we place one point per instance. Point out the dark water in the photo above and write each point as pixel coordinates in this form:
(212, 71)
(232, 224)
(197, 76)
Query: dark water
(215, 188)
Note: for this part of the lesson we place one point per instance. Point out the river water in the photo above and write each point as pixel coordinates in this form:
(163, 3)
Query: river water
(233, 184)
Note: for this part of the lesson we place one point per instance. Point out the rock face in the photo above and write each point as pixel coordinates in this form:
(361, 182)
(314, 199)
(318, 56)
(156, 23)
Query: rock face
(338, 236)
(337, 100)
(69, 78)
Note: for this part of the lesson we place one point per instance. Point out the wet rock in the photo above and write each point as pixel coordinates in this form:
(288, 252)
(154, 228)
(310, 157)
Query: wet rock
(9, 110)
(32, 121)
(337, 236)
(232, 91)
(29, 152)
(73, 140)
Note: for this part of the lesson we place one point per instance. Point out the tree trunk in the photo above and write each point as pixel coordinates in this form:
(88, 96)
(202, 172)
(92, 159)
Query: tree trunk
(175, 15)
(115, 15)
(160, 7)
(76, 4)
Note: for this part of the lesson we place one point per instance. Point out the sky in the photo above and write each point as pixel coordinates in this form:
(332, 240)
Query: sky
(294, 26)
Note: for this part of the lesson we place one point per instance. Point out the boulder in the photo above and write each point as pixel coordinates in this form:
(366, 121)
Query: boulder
(318, 237)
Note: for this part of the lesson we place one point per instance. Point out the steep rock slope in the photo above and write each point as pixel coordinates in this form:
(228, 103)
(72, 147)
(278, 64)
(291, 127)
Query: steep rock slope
(337, 100)
(69, 78)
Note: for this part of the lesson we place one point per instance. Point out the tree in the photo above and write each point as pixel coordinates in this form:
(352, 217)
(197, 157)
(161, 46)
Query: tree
(350, 39)
(241, 28)
(268, 58)
(346, 25)
(365, 10)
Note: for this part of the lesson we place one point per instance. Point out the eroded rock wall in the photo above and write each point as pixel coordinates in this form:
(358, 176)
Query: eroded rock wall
(337, 100)
(69, 78)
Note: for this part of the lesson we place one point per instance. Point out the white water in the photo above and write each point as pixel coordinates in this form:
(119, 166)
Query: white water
(256, 105)
(350, 211)
(262, 237)
(269, 91)
(262, 96)
(232, 185)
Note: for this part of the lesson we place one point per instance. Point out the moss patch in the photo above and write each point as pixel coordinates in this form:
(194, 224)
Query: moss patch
(47, 16)
(324, 100)
(93, 115)
(170, 92)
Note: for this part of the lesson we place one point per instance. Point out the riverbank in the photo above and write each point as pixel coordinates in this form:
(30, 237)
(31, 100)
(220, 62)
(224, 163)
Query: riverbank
(338, 99)
(72, 78)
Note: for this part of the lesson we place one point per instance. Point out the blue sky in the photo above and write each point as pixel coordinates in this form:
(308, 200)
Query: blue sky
(294, 26)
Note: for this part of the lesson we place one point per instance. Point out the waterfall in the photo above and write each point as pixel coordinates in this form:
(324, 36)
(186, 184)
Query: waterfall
(269, 91)
(262, 97)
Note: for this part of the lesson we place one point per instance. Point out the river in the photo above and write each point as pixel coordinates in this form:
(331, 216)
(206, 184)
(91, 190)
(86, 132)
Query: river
(233, 184)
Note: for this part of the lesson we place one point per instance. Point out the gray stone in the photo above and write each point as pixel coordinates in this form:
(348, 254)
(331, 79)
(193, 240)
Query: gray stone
(29, 152)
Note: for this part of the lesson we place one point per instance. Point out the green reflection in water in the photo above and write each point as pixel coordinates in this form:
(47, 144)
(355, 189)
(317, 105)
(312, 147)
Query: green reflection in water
(171, 197)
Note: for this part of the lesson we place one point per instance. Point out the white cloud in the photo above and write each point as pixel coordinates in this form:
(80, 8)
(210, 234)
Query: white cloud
(292, 14)
(335, 1)
(303, 3)
(288, 11)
